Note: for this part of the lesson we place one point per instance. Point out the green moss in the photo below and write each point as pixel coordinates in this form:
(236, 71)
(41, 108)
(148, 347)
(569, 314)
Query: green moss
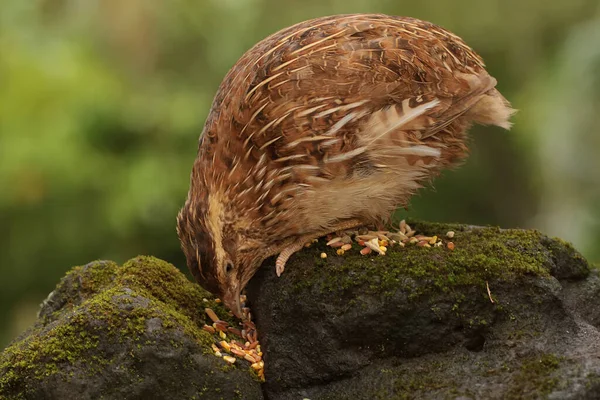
(535, 378)
(144, 288)
(481, 255)
(40, 355)
(592, 380)
(408, 385)
(165, 283)
(95, 276)
(406, 388)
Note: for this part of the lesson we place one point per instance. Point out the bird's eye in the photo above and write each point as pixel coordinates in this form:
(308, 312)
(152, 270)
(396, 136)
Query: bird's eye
(228, 267)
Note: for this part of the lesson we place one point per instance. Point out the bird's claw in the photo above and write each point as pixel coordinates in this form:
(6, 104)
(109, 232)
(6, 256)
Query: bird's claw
(279, 268)
(286, 254)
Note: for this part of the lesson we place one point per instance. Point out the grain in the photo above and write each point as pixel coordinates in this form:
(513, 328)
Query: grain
(365, 251)
(229, 359)
(211, 314)
(225, 345)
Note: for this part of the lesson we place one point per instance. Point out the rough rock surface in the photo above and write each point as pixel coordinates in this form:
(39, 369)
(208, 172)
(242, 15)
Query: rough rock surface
(417, 323)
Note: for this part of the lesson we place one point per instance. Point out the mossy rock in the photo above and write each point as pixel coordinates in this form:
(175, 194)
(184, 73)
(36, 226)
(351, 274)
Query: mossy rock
(506, 314)
(419, 322)
(122, 332)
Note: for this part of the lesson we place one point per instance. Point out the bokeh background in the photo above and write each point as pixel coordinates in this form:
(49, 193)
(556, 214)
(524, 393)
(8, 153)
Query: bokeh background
(102, 102)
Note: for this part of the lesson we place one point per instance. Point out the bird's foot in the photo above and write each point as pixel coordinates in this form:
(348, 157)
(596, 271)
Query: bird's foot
(285, 254)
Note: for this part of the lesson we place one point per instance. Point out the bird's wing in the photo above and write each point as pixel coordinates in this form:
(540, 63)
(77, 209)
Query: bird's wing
(332, 97)
(318, 92)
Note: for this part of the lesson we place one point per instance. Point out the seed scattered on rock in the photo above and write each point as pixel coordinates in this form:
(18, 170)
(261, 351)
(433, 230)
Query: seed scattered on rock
(229, 348)
(249, 358)
(381, 241)
(220, 326)
(239, 353)
(225, 345)
(234, 331)
(334, 240)
(211, 314)
(256, 366)
(229, 359)
(373, 244)
(209, 329)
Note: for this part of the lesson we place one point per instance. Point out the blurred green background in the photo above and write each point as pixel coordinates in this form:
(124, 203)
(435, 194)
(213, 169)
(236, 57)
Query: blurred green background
(102, 103)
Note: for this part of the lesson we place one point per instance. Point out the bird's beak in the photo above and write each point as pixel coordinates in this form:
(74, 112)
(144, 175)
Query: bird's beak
(232, 301)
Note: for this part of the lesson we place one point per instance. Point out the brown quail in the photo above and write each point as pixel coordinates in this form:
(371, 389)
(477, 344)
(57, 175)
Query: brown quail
(323, 126)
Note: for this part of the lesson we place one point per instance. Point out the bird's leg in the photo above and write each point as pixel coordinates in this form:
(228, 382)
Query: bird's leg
(298, 244)
(286, 254)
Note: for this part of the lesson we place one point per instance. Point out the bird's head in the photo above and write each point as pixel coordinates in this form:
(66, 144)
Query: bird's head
(219, 256)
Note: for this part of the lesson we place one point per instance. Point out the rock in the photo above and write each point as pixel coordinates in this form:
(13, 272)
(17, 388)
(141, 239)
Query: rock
(418, 322)
(130, 332)
(584, 297)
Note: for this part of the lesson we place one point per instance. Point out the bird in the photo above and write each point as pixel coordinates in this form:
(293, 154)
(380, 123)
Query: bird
(327, 125)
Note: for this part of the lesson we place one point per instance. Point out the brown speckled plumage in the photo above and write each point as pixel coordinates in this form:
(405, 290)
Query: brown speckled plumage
(328, 124)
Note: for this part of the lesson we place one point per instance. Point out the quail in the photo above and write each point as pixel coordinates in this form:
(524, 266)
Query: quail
(327, 125)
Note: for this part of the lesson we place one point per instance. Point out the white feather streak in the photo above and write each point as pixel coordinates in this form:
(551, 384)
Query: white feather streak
(389, 120)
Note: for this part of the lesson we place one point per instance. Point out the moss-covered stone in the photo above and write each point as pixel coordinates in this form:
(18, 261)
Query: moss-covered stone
(480, 255)
(425, 316)
(506, 314)
(535, 378)
(105, 322)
